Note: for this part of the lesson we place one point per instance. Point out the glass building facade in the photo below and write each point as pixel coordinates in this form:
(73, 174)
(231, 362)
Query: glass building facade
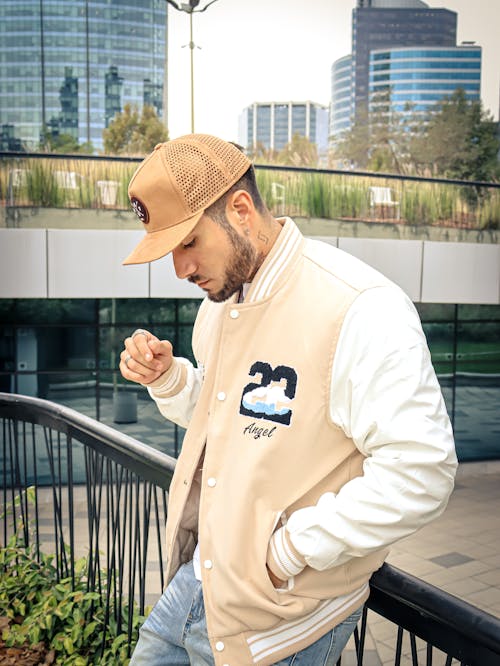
(272, 125)
(416, 79)
(68, 67)
(341, 100)
(67, 350)
(375, 25)
(408, 33)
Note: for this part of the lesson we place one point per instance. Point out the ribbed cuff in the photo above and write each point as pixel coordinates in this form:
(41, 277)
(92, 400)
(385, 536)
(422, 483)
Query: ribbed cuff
(282, 558)
(170, 382)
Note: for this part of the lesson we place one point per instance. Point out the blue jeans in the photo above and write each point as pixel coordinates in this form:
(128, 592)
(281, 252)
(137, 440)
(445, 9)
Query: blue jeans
(175, 632)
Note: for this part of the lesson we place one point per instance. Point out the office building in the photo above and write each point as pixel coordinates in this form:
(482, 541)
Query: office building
(379, 24)
(406, 49)
(272, 125)
(341, 99)
(414, 80)
(68, 67)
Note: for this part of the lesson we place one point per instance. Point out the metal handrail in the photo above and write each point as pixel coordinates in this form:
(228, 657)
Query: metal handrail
(147, 462)
(266, 167)
(451, 624)
(416, 609)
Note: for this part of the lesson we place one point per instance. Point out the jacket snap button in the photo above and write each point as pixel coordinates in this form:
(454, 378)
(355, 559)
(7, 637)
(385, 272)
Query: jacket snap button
(234, 314)
(208, 564)
(211, 482)
(221, 395)
(219, 646)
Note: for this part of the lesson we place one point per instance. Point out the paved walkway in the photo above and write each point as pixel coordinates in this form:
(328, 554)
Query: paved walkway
(459, 552)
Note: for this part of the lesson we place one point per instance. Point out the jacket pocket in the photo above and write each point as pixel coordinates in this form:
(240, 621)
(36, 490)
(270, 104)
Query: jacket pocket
(272, 555)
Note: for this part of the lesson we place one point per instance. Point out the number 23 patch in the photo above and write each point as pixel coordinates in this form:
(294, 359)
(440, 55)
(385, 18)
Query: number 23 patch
(271, 398)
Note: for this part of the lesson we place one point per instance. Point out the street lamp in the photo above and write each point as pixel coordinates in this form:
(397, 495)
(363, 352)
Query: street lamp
(190, 8)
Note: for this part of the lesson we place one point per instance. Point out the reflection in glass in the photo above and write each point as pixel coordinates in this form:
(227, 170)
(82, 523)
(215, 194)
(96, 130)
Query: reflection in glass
(68, 351)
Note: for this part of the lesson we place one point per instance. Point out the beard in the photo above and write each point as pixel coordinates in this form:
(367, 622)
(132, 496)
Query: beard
(241, 268)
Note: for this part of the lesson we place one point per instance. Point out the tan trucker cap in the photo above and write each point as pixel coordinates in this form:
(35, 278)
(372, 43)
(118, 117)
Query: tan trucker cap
(175, 184)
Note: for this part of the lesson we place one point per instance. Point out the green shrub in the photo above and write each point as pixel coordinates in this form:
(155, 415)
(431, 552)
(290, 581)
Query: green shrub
(64, 614)
(316, 194)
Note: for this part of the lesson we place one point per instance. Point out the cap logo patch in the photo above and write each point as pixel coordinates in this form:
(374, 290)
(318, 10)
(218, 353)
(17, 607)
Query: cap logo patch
(140, 210)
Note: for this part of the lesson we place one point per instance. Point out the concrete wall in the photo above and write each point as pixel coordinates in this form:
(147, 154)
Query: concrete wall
(100, 218)
(86, 263)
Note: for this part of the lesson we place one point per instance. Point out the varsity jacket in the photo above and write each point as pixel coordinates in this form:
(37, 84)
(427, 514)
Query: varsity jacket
(263, 463)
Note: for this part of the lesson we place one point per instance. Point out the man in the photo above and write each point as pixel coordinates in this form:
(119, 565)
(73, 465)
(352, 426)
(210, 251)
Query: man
(316, 429)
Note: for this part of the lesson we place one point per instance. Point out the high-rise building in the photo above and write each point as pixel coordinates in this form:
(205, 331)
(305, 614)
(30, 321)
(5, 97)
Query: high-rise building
(414, 80)
(68, 67)
(341, 102)
(379, 24)
(272, 125)
(406, 50)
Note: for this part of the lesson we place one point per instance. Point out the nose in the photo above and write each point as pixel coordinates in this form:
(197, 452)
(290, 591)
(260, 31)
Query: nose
(184, 266)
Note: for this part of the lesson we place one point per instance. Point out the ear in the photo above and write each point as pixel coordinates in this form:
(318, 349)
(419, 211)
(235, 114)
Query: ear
(240, 208)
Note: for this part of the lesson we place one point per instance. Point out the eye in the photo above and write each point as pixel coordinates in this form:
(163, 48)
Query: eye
(190, 244)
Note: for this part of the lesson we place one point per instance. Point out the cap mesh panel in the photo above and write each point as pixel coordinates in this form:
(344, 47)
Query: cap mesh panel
(199, 176)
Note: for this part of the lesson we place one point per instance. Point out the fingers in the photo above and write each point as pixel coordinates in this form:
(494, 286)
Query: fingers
(161, 350)
(142, 377)
(145, 357)
(137, 345)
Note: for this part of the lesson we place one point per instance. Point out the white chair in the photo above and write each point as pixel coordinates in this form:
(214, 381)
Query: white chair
(278, 198)
(108, 190)
(18, 179)
(66, 179)
(382, 197)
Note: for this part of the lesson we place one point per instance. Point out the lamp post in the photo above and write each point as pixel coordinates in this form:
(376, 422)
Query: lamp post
(190, 8)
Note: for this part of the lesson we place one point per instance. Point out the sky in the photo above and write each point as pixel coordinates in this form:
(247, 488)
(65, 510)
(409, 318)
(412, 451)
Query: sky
(282, 50)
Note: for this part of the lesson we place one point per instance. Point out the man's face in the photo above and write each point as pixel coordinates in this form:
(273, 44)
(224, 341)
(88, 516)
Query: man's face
(217, 259)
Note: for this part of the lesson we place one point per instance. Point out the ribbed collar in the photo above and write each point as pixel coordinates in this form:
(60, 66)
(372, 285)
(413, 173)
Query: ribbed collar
(283, 254)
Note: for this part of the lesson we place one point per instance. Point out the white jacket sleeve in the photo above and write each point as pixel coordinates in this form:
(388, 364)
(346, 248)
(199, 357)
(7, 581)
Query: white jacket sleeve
(176, 391)
(386, 397)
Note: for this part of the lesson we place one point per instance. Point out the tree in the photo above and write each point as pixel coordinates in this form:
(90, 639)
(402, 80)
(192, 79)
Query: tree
(118, 135)
(460, 140)
(299, 152)
(63, 143)
(380, 140)
(131, 134)
(262, 155)
(354, 144)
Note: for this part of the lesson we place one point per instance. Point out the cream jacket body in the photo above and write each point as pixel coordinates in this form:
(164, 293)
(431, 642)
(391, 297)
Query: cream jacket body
(287, 459)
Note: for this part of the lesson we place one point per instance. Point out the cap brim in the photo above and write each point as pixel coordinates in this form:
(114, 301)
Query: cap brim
(157, 244)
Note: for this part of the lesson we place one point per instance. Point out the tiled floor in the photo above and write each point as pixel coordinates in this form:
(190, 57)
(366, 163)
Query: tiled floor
(459, 552)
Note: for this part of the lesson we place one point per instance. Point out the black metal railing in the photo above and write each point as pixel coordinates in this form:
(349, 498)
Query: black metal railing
(97, 181)
(117, 517)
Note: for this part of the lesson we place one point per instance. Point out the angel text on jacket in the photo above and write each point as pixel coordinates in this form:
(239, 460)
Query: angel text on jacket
(272, 397)
(257, 432)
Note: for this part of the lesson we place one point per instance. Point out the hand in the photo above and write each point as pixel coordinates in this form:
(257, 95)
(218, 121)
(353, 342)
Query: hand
(145, 357)
(277, 582)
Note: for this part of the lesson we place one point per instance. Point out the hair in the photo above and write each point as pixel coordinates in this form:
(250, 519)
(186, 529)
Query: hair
(217, 210)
